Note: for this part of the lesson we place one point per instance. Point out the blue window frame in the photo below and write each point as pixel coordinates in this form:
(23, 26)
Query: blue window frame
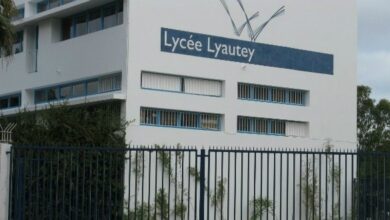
(271, 94)
(10, 101)
(49, 4)
(93, 20)
(78, 89)
(180, 119)
(261, 126)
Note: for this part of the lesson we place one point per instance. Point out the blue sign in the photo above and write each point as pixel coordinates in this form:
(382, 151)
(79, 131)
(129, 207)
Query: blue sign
(201, 45)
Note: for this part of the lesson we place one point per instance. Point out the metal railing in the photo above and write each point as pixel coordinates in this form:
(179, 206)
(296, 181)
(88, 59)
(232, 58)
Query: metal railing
(6, 133)
(187, 183)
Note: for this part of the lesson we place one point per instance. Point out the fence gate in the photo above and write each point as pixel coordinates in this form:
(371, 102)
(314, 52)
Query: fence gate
(187, 183)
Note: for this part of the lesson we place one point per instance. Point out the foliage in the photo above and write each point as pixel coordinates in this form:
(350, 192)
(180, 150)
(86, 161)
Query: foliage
(309, 184)
(141, 211)
(373, 121)
(194, 173)
(7, 33)
(69, 171)
(218, 196)
(261, 206)
(162, 208)
(65, 125)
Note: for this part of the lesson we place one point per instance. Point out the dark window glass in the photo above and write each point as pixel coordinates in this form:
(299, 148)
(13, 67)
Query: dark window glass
(18, 45)
(109, 16)
(92, 87)
(66, 1)
(66, 92)
(189, 120)
(42, 6)
(94, 21)
(81, 25)
(67, 28)
(54, 3)
(168, 118)
(19, 15)
(120, 12)
(244, 124)
(52, 94)
(78, 90)
(40, 96)
(14, 101)
(3, 103)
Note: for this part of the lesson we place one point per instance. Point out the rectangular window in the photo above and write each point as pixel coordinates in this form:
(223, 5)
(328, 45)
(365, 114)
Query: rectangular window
(18, 44)
(161, 82)
(149, 116)
(54, 3)
(42, 6)
(49, 4)
(3, 103)
(93, 87)
(89, 87)
(66, 92)
(180, 119)
(67, 28)
(19, 14)
(260, 93)
(40, 96)
(244, 91)
(109, 16)
(181, 84)
(202, 86)
(270, 126)
(81, 25)
(79, 90)
(94, 20)
(271, 94)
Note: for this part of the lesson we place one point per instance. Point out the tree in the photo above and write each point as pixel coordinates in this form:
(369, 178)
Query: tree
(7, 34)
(373, 121)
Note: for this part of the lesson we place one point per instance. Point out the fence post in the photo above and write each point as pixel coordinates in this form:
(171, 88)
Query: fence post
(4, 178)
(202, 183)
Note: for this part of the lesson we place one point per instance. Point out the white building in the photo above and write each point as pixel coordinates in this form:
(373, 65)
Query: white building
(204, 72)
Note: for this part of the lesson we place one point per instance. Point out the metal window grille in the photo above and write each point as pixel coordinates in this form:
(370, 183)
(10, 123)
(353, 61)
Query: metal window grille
(180, 119)
(244, 91)
(260, 93)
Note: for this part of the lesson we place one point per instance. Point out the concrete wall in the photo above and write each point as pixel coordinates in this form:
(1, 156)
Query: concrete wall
(321, 26)
(4, 178)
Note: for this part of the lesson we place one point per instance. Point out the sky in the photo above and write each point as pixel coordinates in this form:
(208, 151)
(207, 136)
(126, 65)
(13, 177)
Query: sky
(374, 46)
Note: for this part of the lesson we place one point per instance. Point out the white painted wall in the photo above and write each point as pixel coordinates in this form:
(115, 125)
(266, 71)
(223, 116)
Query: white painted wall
(4, 179)
(322, 26)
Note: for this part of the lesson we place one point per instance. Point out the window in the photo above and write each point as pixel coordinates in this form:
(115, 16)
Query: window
(78, 89)
(93, 87)
(181, 84)
(109, 16)
(271, 126)
(180, 119)
(67, 28)
(244, 91)
(278, 95)
(49, 4)
(92, 20)
(81, 25)
(18, 44)
(19, 14)
(66, 92)
(54, 3)
(40, 96)
(271, 94)
(10, 101)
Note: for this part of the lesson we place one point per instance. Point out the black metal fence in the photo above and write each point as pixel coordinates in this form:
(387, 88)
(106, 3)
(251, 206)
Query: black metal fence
(186, 183)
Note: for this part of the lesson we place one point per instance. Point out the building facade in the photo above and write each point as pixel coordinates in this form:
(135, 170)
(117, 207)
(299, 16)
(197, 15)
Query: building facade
(203, 73)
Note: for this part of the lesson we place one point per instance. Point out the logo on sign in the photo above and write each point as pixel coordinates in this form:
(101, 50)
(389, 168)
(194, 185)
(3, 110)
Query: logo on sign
(253, 32)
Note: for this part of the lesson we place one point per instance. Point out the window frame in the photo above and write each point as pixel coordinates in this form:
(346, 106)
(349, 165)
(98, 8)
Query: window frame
(8, 98)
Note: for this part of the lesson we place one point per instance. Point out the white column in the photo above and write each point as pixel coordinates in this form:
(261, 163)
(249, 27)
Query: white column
(4, 179)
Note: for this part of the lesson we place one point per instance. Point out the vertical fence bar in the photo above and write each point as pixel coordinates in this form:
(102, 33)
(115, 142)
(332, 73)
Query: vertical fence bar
(202, 184)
